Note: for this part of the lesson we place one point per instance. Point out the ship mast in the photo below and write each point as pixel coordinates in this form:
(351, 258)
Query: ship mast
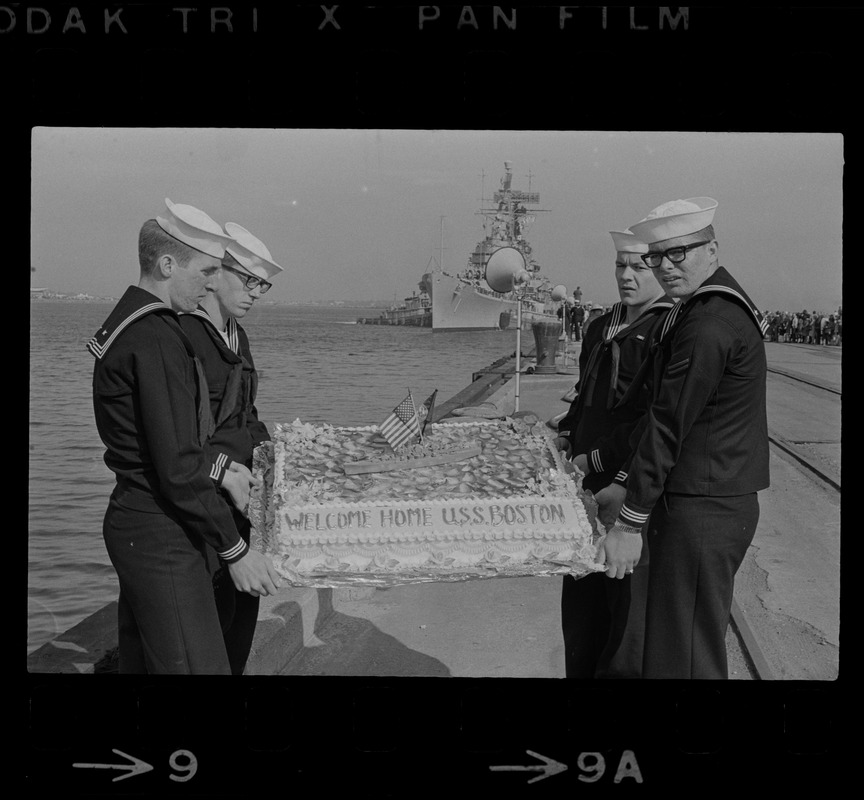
(483, 195)
(508, 176)
(441, 246)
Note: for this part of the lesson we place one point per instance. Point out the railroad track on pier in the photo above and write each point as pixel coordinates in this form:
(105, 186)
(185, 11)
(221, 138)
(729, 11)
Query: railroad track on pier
(793, 451)
(796, 376)
(747, 638)
(750, 645)
(789, 447)
(749, 641)
(803, 459)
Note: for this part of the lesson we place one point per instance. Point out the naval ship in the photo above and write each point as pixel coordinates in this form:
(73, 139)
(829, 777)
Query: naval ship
(463, 301)
(414, 311)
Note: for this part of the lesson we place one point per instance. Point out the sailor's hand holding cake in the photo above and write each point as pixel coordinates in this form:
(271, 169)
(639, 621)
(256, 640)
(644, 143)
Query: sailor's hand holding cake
(255, 575)
(238, 483)
(563, 446)
(581, 463)
(621, 548)
(609, 501)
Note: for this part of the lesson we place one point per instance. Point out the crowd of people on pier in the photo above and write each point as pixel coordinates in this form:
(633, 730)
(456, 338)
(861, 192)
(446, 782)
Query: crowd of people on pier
(805, 327)
(795, 327)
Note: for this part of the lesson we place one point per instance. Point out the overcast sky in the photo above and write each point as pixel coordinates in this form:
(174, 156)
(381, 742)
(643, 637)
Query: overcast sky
(356, 213)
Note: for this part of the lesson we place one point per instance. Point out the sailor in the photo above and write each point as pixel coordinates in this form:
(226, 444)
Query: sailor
(222, 345)
(165, 518)
(700, 454)
(602, 620)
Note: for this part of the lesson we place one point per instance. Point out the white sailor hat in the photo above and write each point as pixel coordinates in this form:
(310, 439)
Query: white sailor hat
(250, 251)
(192, 226)
(626, 242)
(675, 218)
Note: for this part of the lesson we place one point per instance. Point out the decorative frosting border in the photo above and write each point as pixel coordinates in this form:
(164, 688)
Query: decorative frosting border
(284, 426)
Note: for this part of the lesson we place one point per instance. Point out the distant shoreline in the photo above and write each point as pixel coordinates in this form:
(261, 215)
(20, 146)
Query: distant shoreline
(56, 297)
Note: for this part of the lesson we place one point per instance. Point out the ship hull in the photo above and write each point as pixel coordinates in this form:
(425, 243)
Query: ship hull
(459, 306)
(414, 318)
(411, 320)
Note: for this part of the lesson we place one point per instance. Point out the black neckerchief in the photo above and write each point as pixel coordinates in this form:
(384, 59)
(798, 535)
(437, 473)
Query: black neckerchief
(615, 329)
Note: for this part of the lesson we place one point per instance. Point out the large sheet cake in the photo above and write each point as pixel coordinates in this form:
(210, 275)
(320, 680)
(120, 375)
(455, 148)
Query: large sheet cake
(478, 499)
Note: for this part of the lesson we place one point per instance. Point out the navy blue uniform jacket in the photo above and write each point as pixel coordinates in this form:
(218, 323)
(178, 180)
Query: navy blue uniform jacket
(233, 384)
(706, 430)
(598, 422)
(147, 387)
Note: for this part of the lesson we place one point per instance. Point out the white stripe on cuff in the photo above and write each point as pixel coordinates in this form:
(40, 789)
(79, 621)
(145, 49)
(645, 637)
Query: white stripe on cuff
(634, 518)
(218, 466)
(233, 551)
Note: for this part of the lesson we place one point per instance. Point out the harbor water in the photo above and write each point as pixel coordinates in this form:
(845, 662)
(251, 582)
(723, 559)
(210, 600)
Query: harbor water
(315, 364)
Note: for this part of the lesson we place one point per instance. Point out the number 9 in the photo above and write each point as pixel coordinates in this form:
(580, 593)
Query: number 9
(191, 767)
(595, 770)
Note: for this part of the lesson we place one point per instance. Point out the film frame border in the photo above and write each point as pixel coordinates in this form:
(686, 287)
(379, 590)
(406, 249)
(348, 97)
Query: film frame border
(778, 727)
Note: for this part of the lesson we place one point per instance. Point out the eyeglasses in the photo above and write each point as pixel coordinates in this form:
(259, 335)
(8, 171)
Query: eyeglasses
(250, 281)
(675, 254)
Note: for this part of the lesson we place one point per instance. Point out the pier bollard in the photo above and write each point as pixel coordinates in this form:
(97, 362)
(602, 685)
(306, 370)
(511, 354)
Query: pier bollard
(546, 346)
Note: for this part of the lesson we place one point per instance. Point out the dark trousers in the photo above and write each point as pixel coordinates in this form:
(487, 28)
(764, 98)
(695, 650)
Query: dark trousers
(167, 617)
(603, 622)
(238, 611)
(697, 544)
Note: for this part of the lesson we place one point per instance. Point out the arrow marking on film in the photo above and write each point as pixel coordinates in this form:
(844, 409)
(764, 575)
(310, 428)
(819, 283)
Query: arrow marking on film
(137, 767)
(551, 767)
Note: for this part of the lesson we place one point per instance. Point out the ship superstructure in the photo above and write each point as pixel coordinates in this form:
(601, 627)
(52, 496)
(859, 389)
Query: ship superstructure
(463, 300)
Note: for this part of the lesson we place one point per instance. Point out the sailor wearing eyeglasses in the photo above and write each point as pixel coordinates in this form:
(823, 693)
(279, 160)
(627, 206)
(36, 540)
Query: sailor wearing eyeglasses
(223, 348)
(700, 454)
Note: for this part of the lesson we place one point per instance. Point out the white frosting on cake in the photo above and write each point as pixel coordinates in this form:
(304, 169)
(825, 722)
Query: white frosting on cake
(512, 510)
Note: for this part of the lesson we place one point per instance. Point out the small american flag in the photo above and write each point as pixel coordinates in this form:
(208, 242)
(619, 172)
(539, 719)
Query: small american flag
(403, 424)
